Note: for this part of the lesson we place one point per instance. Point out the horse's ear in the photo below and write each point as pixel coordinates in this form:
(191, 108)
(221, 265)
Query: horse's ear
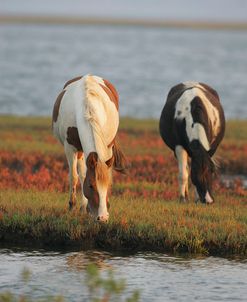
(120, 162)
(110, 161)
(92, 160)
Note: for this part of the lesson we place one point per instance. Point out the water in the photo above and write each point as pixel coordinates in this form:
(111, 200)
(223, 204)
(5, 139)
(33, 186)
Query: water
(159, 277)
(143, 63)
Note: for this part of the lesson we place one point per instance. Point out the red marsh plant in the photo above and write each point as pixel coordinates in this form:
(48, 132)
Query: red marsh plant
(36, 163)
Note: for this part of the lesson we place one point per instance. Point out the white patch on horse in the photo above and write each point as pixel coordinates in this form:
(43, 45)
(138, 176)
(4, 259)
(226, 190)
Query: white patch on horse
(77, 99)
(212, 111)
(195, 131)
(102, 115)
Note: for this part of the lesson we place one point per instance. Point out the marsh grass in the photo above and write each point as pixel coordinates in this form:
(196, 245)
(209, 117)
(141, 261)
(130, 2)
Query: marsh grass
(144, 213)
(135, 224)
(29, 134)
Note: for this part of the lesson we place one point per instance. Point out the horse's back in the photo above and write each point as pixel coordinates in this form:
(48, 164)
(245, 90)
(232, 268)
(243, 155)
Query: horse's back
(192, 104)
(89, 106)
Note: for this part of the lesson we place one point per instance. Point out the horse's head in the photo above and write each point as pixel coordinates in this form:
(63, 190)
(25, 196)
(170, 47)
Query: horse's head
(202, 171)
(96, 186)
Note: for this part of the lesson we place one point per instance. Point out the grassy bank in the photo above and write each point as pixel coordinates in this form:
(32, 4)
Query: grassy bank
(136, 223)
(144, 213)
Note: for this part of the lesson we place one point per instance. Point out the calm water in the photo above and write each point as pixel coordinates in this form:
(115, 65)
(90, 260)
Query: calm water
(144, 63)
(158, 277)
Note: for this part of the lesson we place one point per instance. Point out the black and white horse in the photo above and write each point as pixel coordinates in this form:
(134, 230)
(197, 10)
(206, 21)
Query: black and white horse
(192, 123)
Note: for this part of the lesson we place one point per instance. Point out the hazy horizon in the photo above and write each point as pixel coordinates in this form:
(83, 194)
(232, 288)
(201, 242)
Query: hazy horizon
(189, 10)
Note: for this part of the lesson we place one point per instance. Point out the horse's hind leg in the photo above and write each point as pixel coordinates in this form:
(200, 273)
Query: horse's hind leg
(82, 174)
(182, 158)
(71, 156)
(196, 195)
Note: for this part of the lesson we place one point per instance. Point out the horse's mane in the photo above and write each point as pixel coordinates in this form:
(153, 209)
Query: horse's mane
(93, 95)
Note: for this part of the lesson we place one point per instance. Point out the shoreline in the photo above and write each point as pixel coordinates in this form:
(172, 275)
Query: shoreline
(69, 20)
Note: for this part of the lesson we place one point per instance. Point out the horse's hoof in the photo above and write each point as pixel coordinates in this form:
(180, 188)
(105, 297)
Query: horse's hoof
(83, 210)
(197, 201)
(183, 199)
(71, 205)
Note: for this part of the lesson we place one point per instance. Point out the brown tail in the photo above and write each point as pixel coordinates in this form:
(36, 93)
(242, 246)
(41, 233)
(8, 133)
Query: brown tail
(120, 162)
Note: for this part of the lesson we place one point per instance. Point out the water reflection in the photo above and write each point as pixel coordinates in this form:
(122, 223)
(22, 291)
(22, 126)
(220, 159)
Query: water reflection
(80, 260)
(159, 277)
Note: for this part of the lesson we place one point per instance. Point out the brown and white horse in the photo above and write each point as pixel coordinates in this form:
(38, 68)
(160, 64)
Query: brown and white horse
(85, 121)
(192, 123)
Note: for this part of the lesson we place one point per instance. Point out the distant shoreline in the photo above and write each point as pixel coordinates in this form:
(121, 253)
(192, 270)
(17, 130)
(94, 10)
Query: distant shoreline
(55, 20)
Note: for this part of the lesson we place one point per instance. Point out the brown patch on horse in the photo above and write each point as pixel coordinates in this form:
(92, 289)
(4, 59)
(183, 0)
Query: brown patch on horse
(73, 138)
(97, 173)
(103, 175)
(79, 154)
(57, 106)
(101, 169)
(71, 81)
(112, 88)
(111, 92)
(92, 159)
(89, 185)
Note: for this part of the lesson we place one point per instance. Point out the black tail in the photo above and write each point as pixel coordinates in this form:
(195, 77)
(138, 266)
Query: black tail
(200, 159)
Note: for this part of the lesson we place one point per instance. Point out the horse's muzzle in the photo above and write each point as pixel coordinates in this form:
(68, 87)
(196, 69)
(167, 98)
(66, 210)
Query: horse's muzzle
(103, 219)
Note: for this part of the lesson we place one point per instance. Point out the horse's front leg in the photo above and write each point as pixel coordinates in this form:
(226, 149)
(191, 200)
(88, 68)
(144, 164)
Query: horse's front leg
(71, 156)
(81, 165)
(182, 158)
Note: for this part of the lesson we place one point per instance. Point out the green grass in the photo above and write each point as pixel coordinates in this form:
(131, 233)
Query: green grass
(143, 125)
(236, 130)
(135, 224)
(27, 134)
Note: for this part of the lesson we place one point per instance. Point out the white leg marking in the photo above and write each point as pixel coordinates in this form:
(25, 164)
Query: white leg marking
(81, 166)
(102, 212)
(208, 198)
(182, 158)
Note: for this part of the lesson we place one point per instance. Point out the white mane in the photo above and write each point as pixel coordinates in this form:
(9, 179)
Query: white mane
(96, 111)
